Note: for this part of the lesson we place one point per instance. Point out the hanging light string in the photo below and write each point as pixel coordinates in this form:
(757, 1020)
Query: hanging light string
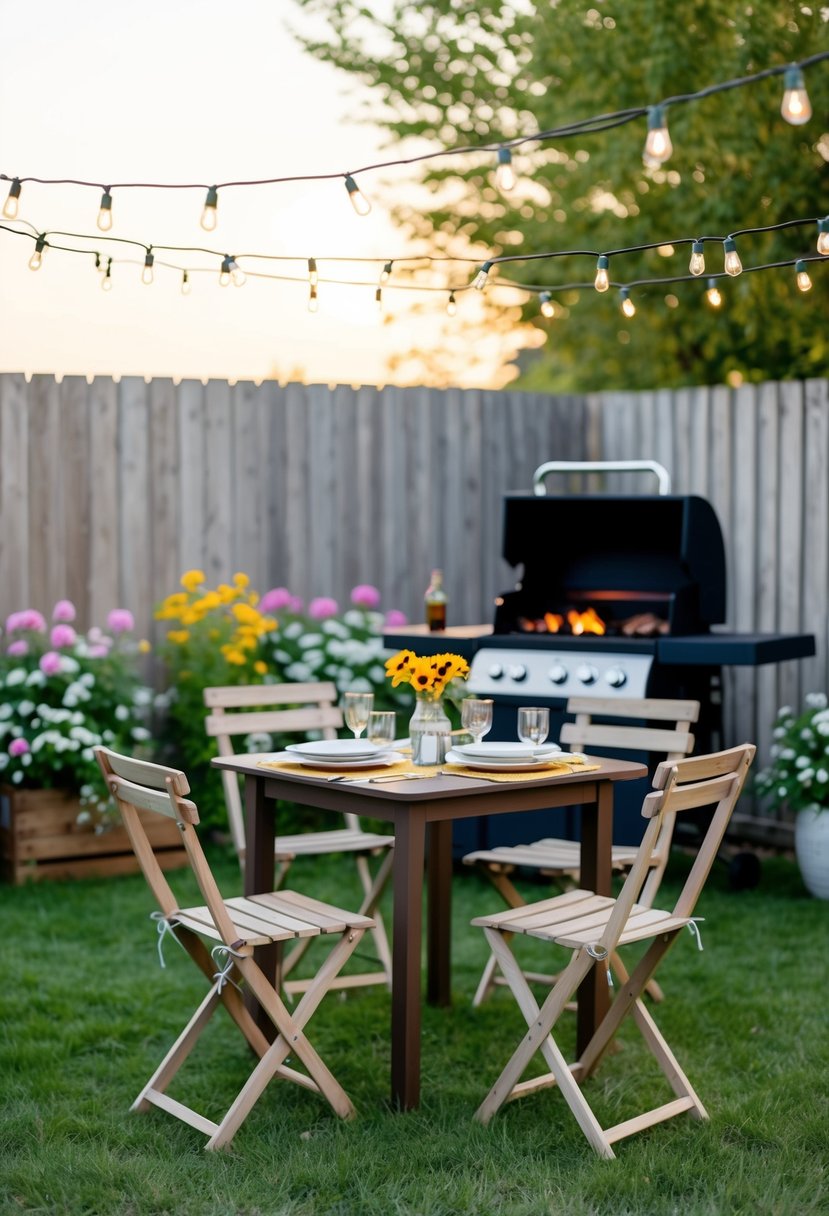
(792, 72)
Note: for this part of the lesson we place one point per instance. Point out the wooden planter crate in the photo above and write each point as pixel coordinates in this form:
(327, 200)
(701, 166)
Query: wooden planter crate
(40, 837)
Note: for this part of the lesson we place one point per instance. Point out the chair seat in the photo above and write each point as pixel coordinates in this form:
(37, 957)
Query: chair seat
(277, 917)
(339, 840)
(578, 918)
(549, 853)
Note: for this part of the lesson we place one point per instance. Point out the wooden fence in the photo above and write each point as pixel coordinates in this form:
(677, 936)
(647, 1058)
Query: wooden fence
(109, 491)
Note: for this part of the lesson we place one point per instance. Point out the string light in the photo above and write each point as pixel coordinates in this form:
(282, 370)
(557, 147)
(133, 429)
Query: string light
(185, 283)
(697, 264)
(823, 235)
(545, 301)
(627, 305)
(36, 260)
(713, 294)
(106, 277)
(802, 276)
(231, 272)
(313, 277)
(733, 265)
(385, 273)
(601, 281)
(658, 146)
(505, 174)
(358, 200)
(378, 299)
(796, 107)
(105, 212)
(209, 216)
(147, 272)
(451, 305)
(12, 203)
(482, 277)
(313, 301)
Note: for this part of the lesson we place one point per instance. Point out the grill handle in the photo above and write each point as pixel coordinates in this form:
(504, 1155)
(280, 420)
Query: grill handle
(601, 466)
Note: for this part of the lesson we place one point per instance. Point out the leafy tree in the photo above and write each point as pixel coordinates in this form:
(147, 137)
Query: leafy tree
(454, 73)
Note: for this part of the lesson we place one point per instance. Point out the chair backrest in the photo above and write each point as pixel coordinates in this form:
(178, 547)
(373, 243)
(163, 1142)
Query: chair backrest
(139, 785)
(717, 780)
(673, 740)
(273, 708)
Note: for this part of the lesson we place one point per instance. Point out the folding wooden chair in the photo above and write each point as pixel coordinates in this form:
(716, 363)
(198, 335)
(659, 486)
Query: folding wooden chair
(296, 709)
(592, 927)
(559, 859)
(233, 927)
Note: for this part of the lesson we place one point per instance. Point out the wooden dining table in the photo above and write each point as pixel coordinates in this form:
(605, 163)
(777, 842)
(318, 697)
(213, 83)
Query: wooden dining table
(422, 813)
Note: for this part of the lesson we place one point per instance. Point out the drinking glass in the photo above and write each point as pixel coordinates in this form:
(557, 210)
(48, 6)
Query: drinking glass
(533, 724)
(476, 716)
(381, 727)
(357, 707)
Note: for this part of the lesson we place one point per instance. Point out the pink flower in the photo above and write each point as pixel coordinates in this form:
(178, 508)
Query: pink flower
(295, 605)
(29, 618)
(18, 747)
(98, 651)
(275, 600)
(120, 620)
(64, 610)
(365, 596)
(63, 635)
(50, 663)
(322, 607)
(18, 649)
(395, 618)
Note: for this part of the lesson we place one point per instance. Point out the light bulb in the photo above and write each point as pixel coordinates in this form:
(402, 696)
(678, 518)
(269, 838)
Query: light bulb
(11, 205)
(697, 263)
(482, 277)
(237, 276)
(209, 216)
(823, 235)
(313, 301)
(628, 307)
(185, 283)
(106, 278)
(358, 200)
(385, 273)
(658, 146)
(505, 174)
(224, 276)
(601, 281)
(796, 107)
(803, 280)
(147, 272)
(733, 265)
(451, 305)
(36, 260)
(713, 294)
(547, 306)
(105, 212)
(313, 277)
(378, 299)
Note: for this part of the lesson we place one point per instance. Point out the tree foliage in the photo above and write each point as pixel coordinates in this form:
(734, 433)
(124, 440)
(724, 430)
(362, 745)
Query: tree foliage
(453, 73)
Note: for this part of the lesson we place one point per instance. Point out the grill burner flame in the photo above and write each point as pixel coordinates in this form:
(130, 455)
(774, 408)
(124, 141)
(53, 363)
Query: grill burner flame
(574, 624)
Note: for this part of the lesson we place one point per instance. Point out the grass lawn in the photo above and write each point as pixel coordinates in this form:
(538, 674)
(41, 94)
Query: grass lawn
(86, 1014)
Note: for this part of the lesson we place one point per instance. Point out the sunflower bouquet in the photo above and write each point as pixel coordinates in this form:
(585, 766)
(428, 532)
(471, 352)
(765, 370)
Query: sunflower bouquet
(431, 676)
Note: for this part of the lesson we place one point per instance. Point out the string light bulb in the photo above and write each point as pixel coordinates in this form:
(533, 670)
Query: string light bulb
(697, 264)
(451, 305)
(313, 277)
(12, 203)
(823, 235)
(545, 301)
(804, 283)
(627, 305)
(224, 274)
(185, 283)
(601, 281)
(733, 265)
(378, 299)
(237, 276)
(658, 146)
(713, 294)
(313, 299)
(105, 212)
(796, 107)
(147, 273)
(482, 277)
(358, 200)
(505, 174)
(36, 260)
(106, 277)
(210, 213)
(385, 273)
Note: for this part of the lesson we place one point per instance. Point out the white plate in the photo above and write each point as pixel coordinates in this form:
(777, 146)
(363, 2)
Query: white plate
(381, 760)
(522, 764)
(337, 749)
(506, 751)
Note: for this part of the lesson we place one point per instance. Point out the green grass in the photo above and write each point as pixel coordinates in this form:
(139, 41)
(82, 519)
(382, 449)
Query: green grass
(86, 1013)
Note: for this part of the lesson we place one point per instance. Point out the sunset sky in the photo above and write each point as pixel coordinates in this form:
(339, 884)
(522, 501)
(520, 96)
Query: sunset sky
(194, 91)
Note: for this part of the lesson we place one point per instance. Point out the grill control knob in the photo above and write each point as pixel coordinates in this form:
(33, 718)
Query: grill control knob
(558, 673)
(495, 672)
(517, 672)
(615, 677)
(587, 673)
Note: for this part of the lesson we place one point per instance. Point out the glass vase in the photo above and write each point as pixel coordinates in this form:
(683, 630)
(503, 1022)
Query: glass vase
(429, 731)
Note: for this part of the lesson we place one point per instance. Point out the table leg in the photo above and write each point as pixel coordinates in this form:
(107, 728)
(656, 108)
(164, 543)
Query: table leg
(407, 936)
(439, 914)
(259, 871)
(596, 839)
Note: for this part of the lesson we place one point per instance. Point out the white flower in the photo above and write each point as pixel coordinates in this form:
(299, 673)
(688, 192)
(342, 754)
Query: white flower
(309, 641)
(258, 741)
(354, 617)
(788, 753)
(121, 713)
(816, 699)
(35, 679)
(805, 775)
(26, 708)
(294, 630)
(4, 760)
(822, 728)
(334, 628)
(801, 762)
(314, 657)
(779, 732)
(298, 671)
(822, 775)
(143, 696)
(140, 734)
(16, 676)
(6, 710)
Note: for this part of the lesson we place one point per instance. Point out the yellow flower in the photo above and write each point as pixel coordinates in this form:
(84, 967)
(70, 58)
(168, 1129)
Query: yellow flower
(245, 615)
(209, 601)
(226, 593)
(178, 636)
(233, 655)
(398, 667)
(192, 580)
(144, 646)
(429, 674)
(241, 580)
(260, 668)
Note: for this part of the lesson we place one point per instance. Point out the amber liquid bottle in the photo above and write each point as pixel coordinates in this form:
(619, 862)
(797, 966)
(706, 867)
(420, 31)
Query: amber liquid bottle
(435, 602)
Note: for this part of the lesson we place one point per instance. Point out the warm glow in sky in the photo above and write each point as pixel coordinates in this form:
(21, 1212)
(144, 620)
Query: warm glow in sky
(192, 91)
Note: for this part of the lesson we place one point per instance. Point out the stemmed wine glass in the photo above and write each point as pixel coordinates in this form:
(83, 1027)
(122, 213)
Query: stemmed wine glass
(357, 707)
(476, 716)
(533, 724)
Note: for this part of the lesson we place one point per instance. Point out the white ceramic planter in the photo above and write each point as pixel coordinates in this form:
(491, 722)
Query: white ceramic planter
(811, 846)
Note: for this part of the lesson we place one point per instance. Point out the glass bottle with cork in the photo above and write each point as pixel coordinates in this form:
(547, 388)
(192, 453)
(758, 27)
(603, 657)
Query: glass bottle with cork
(435, 601)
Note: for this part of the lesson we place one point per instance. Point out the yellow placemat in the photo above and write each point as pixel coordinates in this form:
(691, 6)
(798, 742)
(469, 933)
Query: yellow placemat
(375, 770)
(535, 774)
